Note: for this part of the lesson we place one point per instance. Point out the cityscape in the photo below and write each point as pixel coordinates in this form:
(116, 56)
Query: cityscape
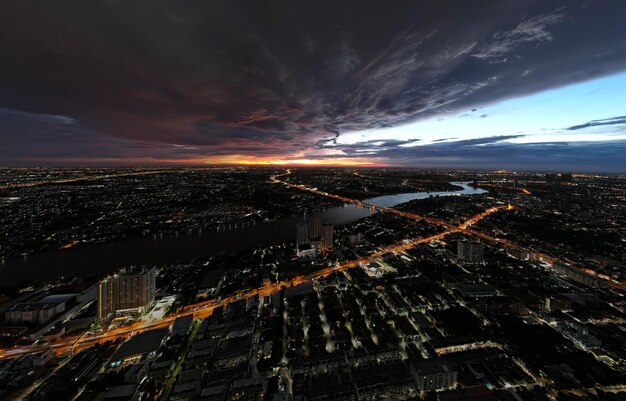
(492, 285)
(308, 200)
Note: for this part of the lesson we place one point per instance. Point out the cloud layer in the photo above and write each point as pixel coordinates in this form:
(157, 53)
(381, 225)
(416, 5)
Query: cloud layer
(154, 81)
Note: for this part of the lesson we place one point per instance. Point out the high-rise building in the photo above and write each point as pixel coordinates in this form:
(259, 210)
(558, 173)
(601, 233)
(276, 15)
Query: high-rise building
(356, 238)
(470, 252)
(327, 237)
(136, 291)
(127, 293)
(106, 303)
(302, 234)
(315, 228)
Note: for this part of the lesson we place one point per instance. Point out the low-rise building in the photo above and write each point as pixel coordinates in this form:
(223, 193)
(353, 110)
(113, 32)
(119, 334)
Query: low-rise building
(182, 325)
(39, 309)
(433, 374)
(142, 345)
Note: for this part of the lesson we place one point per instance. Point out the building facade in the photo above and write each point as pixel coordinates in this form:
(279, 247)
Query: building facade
(302, 234)
(315, 228)
(433, 375)
(470, 252)
(34, 312)
(327, 237)
(127, 293)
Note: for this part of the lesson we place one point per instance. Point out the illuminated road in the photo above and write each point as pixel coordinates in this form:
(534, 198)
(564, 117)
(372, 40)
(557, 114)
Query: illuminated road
(614, 283)
(82, 178)
(414, 216)
(204, 309)
(482, 185)
(405, 182)
(438, 222)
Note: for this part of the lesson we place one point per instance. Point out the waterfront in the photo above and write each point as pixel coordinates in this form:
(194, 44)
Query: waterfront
(101, 258)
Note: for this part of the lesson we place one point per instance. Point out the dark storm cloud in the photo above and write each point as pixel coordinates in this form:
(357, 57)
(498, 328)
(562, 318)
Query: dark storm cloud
(277, 77)
(412, 150)
(498, 152)
(26, 138)
(618, 121)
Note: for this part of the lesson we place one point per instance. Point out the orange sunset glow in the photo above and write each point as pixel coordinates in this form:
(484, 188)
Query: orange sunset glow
(251, 160)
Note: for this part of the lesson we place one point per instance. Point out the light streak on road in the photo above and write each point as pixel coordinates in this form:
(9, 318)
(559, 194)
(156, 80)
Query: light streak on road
(464, 228)
(203, 310)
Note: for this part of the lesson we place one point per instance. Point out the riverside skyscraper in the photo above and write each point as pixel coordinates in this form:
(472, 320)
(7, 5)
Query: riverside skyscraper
(327, 237)
(127, 293)
(302, 234)
(315, 228)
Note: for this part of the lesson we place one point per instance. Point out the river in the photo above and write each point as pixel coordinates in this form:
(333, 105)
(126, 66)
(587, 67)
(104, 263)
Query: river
(103, 258)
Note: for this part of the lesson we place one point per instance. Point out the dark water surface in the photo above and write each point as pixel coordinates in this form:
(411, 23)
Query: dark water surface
(103, 258)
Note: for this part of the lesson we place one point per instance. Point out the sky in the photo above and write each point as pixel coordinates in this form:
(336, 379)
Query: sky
(528, 85)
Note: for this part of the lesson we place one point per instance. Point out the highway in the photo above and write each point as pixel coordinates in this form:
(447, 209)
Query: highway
(614, 283)
(202, 310)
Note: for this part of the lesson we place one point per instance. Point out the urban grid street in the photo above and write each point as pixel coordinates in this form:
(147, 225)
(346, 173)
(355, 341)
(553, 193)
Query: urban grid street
(313, 200)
